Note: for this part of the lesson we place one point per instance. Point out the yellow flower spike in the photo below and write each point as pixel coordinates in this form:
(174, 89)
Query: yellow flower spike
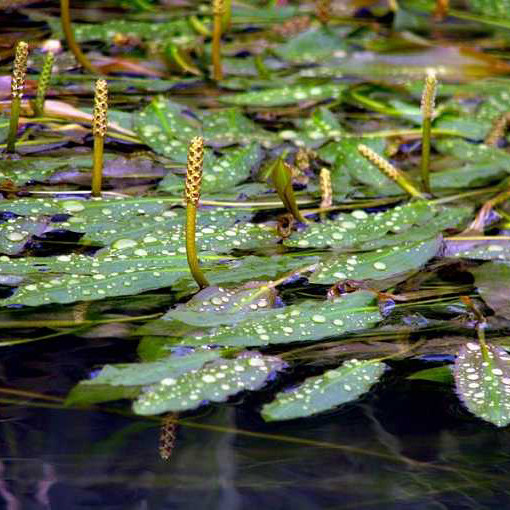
(326, 188)
(218, 7)
(168, 435)
(99, 128)
(323, 11)
(389, 171)
(19, 74)
(427, 110)
(192, 195)
(43, 83)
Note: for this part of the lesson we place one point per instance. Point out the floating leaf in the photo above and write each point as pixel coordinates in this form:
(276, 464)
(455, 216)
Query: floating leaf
(215, 381)
(214, 306)
(348, 230)
(307, 321)
(442, 374)
(316, 129)
(286, 95)
(312, 46)
(491, 249)
(323, 392)
(167, 128)
(376, 265)
(493, 283)
(16, 233)
(483, 382)
(226, 127)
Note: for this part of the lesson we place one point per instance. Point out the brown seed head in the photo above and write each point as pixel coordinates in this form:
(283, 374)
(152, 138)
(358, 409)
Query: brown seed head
(100, 122)
(218, 7)
(19, 72)
(194, 170)
(323, 10)
(428, 97)
(326, 188)
(384, 166)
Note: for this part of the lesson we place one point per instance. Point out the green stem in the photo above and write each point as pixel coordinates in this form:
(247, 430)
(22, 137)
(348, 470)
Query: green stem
(480, 330)
(65, 18)
(191, 248)
(216, 48)
(425, 153)
(97, 169)
(13, 125)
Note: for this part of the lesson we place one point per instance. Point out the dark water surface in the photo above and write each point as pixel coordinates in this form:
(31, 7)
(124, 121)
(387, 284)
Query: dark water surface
(407, 445)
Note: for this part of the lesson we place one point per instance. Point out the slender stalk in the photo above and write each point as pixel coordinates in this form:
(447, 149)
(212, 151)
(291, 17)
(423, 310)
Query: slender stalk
(218, 11)
(19, 74)
(99, 127)
(192, 194)
(390, 171)
(65, 18)
(427, 109)
(42, 85)
(326, 190)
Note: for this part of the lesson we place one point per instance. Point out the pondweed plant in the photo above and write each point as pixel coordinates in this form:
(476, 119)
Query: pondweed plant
(368, 266)
(99, 129)
(43, 83)
(194, 170)
(427, 111)
(18, 78)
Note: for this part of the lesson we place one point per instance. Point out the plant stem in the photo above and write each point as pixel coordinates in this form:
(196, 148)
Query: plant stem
(13, 125)
(65, 17)
(192, 192)
(218, 11)
(191, 248)
(19, 74)
(97, 168)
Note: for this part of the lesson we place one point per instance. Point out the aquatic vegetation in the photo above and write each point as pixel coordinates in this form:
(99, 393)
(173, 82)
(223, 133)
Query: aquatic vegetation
(322, 265)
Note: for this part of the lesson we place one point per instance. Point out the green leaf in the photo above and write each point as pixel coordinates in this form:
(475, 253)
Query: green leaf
(214, 306)
(323, 392)
(291, 94)
(495, 8)
(493, 283)
(442, 374)
(16, 233)
(216, 382)
(376, 265)
(140, 374)
(312, 46)
(281, 175)
(483, 382)
(303, 322)
(493, 249)
(322, 125)
(167, 128)
(226, 127)
(347, 230)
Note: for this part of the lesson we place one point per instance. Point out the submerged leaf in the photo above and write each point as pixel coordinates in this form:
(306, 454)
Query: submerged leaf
(493, 283)
(215, 381)
(323, 392)
(483, 383)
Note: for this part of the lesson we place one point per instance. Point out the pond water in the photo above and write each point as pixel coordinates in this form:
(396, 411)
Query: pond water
(408, 445)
